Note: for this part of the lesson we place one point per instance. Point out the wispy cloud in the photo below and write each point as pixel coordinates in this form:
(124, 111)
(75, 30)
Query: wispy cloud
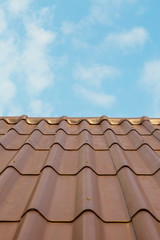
(94, 97)
(36, 61)
(8, 61)
(38, 108)
(94, 75)
(3, 23)
(103, 12)
(150, 80)
(16, 6)
(68, 27)
(127, 39)
(25, 60)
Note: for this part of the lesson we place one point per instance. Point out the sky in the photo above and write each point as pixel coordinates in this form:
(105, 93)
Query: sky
(80, 58)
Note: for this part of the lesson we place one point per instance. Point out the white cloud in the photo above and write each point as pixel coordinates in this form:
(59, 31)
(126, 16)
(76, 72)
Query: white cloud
(100, 11)
(95, 98)
(151, 75)
(39, 108)
(18, 6)
(25, 60)
(36, 60)
(150, 79)
(8, 61)
(39, 35)
(67, 27)
(94, 75)
(3, 23)
(8, 91)
(15, 109)
(127, 39)
(105, 11)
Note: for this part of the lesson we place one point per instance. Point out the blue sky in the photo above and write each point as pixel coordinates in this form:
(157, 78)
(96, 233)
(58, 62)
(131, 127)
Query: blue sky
(80, 58)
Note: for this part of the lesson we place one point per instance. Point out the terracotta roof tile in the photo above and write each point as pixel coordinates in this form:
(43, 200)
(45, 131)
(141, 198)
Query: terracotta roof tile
(12, 140)
(79, 178)
(99, 161)
(4, 127)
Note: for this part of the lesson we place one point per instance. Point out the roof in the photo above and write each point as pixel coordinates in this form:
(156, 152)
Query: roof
(79, 178)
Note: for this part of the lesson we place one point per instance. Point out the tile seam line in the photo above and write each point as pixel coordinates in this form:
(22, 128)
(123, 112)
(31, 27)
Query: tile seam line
(76, 149)
(51, 134)
(130, 149)
(79, 215)
(76, 134)
(74, 219)
(46, 149)
(125, 134)
(17, 149)
(156, 129)
(81, 169)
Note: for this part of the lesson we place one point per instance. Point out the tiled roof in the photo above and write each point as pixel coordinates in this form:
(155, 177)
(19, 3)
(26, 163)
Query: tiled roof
(79, 178)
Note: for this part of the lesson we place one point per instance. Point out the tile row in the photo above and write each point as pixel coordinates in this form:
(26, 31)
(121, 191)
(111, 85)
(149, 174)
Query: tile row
(27, 160)
(87, 226)
(75, 120)
(132, 141)
(64, 198)
(22, 127)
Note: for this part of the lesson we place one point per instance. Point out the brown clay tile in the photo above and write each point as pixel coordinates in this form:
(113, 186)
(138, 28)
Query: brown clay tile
(77, 129)
(12, 140)
(22, 127)
(131, 141)
(124, 128)
(156, 133)
(28, 160)
(105, 125)
(71, 162)
(141, 161)
(5, 157)
(141, 192)
(74, 142)
(63, 198)
(146, 227)
(141, 129)
(87, 226)
(40, 141)
(8, 230)
(4, 127)
(157, 126)
(152, 141)
(46, 128)
(15, 191)
(158, 153)
(148, 125)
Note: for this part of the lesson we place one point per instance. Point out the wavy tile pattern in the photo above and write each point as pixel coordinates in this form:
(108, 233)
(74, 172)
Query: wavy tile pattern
(79, 178)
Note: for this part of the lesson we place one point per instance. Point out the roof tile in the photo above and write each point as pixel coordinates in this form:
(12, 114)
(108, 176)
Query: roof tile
(71, 162)
(79, 178)
(12, 140)
(141, 161)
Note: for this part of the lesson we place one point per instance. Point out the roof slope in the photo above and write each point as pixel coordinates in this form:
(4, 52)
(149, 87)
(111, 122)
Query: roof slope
(79, 178)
